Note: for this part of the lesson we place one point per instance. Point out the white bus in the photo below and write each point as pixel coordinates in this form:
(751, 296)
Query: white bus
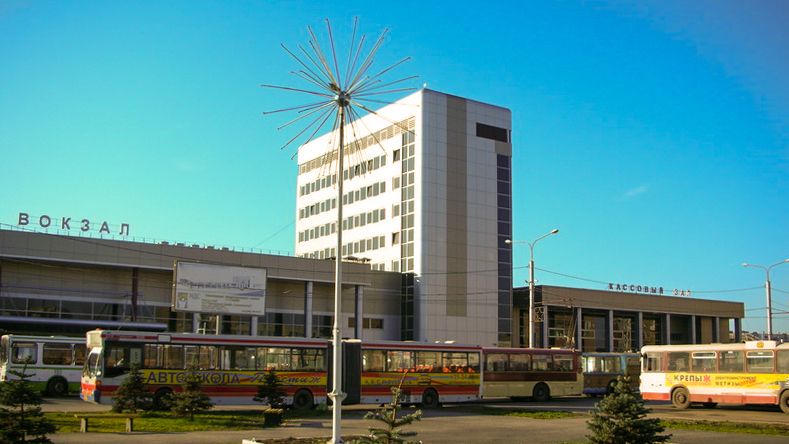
(754, 372)
(55, 362)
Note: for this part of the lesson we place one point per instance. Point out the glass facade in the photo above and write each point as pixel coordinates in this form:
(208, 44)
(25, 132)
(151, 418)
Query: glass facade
(504, 206)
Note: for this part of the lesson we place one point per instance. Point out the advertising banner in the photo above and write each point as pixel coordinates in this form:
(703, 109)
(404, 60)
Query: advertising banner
(206, 288)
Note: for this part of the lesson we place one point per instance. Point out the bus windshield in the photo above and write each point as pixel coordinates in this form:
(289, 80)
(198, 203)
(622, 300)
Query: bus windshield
(4, 350)
(93, 364)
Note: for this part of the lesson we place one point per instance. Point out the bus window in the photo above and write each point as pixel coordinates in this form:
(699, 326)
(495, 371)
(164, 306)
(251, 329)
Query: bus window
(541, 362)
(56, 353)
(495, 362)
(309, 359)
(703, 361)
(373, 360)
(119, 358)
(278, 358)
(152, 356)
(652, 362)
(473, 362)
(782, 361)
(678, 361)
(208, 358)
(732, 361)
(520, 362)
(455, 362)
(632, 366)
(243, 358)
(760, 361)
(398, 361)
(563, 363)
(80, 352)
(427, 362)
(191, 355)
(173, 356)
(24, 352)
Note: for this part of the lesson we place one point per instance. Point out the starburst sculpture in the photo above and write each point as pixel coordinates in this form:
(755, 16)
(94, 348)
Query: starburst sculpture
(341, 94)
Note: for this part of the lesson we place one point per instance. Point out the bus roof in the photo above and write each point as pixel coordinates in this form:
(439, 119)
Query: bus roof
(44, 338)
(749, 345)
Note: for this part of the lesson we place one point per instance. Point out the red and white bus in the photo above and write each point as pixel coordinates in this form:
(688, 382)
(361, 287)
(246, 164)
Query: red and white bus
(531, 372)
(754, 372)
(232, 367)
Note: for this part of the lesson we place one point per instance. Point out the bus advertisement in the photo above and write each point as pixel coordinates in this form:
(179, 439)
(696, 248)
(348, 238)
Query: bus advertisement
(754, 372)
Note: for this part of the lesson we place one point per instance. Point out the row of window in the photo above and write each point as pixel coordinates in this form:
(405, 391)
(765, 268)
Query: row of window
(363, 245)
(419, 361)
(60, 309)
(521, 362)
(326, 229)
(52, 353)
(119, 357)
(372, 139)
(318, 184)
(317, 208)
(364, 192)
(727, 361)
(363, 167)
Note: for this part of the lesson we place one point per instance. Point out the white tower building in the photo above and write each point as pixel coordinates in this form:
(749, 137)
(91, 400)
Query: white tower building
(428, 193)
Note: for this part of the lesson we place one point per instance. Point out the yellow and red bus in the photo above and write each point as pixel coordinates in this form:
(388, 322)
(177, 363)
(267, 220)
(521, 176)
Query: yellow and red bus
(232, 367)
(518, 373)
(754, 372)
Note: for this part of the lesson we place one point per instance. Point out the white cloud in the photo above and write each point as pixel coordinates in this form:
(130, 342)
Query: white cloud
(634, 192)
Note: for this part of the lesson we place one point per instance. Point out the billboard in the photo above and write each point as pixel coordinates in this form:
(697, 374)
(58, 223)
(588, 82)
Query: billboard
(207, 288)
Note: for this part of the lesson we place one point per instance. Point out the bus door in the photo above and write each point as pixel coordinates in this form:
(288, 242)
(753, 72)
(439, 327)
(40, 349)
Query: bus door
(351, 371)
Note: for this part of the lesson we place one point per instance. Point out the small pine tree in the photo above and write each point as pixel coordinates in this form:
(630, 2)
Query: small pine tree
(132, 394)
(23, 422)
(388, 414)
(191, 400)
(620, 418)
(271, 391)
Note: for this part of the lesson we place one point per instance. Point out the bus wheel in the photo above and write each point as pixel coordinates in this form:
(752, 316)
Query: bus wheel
(541, 392)
(430, 399)
(785, 401)
(161, 398)
(680, 398)
(57, 387)
(303, 400)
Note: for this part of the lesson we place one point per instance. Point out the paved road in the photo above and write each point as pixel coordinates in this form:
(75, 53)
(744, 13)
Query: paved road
(445, 425)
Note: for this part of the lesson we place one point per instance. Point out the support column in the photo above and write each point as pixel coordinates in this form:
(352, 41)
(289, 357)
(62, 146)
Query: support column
(545, 326)
(737, 329)
(195, 322)
(693, 329)
(716, 329)
(667, 329)
(359, 311)
(640, 334)
(308, 309)
(579, 324)
(610, 330)
(253, 326)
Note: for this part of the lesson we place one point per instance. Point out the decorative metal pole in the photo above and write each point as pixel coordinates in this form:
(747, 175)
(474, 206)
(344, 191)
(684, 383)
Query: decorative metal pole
(340, 93)
(337, 395)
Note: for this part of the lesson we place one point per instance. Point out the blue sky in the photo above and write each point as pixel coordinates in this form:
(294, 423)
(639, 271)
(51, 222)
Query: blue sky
(655, 135)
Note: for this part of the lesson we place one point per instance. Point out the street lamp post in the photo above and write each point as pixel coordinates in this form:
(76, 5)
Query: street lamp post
(531, 280)
(768, 291)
